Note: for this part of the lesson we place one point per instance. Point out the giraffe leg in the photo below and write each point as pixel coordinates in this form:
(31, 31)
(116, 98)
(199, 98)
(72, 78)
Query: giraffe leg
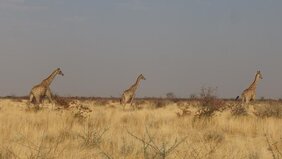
(49, 95)
(37, 101)
(131, 101)
(31, 97)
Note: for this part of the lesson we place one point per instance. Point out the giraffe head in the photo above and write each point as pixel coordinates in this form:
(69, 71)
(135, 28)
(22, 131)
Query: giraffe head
(142, 77)
(259, 75)
(59, 72)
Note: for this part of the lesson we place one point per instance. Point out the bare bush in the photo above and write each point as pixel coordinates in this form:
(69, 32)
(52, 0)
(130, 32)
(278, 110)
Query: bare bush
(43, 149)
(193, 96)
(170, 95)
(91, 136)
(209, 103)
(152, 150)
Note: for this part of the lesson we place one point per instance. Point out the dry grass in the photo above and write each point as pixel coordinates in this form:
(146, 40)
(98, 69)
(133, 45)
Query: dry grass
(88, 129)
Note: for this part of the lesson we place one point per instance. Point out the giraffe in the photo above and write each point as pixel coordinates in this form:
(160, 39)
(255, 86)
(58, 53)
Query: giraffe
(250, 93)
(129, 94)
(41, 90)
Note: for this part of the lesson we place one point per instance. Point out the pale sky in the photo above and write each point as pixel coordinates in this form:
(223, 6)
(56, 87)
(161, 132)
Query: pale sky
(178, 45)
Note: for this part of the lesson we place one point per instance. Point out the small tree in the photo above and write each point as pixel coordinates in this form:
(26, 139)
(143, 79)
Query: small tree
(193, 96)
(170, 95)
(208, 92)
(209, 102)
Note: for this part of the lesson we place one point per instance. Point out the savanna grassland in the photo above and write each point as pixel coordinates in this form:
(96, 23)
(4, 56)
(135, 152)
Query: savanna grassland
(78, 128)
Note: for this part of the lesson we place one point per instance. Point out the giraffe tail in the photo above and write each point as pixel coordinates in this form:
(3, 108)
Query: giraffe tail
(237, 97)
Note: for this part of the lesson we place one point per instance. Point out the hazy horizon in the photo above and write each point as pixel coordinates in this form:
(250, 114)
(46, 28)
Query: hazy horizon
(179, 46)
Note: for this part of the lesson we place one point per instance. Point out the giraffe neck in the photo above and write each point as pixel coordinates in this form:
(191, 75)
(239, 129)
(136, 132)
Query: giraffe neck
(136, 84)
(254, 84)
(46, 82)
